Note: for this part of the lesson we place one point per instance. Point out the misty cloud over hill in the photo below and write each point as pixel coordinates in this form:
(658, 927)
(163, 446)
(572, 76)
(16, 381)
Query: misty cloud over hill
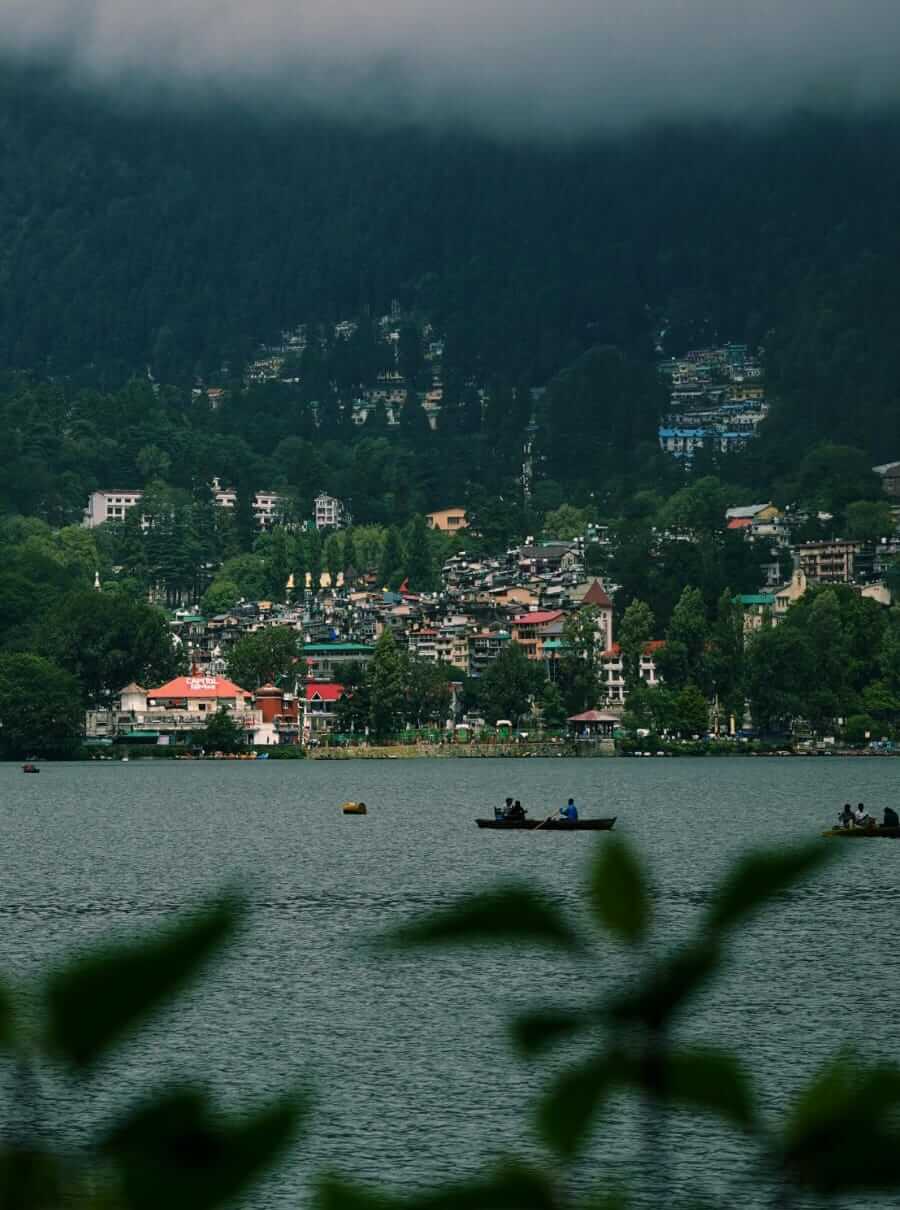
(513, 66)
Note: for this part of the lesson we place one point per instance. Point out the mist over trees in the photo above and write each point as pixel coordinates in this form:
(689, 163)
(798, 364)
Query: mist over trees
(524, 256)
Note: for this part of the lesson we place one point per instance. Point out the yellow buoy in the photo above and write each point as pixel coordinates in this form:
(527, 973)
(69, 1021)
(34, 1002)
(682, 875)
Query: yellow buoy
(354, 808)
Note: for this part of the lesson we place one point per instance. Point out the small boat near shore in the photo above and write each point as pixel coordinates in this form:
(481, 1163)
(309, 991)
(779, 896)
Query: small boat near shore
(30, 768)
(862, 833)
(548, 825)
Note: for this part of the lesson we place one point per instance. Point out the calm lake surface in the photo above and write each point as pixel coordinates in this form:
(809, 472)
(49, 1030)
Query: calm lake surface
(408, 1055)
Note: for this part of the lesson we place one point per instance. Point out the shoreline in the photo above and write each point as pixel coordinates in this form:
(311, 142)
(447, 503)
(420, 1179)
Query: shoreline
(523, 751)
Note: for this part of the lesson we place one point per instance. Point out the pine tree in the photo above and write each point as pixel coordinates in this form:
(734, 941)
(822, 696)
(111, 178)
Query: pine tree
(314, 560)
(387, 684)
(419, 566)
(298, 565)
(390, 569)
(278, 562)
(350, 556)
(334, 557)
(635, 631)
(244, 519)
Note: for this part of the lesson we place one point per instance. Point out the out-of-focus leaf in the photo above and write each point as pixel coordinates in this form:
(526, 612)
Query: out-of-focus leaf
(512, 913)
(98, 999)
(668, 986)
(175, 1152)
(334, 1194)
(565, 1112)
(510, 1187)
(607, 1201)
(842, 1135)
(711, 1080)
(536, 1031)
(7, 1017)
(825, 1099)
(758, 878)
(618, 891)
(29, 1180)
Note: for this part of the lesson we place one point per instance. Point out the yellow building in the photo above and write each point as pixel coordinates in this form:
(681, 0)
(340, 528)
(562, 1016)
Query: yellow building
(447, 519)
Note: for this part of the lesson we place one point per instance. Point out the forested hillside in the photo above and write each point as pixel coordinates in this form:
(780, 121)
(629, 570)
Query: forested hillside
(179, 241)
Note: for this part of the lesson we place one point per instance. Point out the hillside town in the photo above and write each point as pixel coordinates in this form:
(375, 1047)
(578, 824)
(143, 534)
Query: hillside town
(529, 598)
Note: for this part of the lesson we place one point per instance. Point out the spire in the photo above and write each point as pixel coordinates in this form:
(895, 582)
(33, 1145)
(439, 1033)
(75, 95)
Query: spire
(97, 581)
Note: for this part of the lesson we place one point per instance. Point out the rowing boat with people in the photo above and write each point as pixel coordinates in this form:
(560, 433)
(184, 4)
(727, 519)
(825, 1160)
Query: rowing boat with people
(858, 833)
(548, 825)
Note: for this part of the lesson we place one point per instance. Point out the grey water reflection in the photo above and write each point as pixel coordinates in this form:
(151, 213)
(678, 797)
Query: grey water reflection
(415, 1079)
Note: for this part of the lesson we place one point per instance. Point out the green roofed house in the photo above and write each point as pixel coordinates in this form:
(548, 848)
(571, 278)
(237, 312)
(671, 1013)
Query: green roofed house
(322, 659)
(756, 606)
(553, 652)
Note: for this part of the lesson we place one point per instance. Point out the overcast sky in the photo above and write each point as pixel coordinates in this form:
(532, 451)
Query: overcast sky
(518, 66)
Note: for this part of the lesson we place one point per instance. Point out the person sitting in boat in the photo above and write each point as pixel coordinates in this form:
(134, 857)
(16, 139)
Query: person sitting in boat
(861, 817)
(569, 811)
(845, 819)
(516, 811)
(891, 819)
(503, 812)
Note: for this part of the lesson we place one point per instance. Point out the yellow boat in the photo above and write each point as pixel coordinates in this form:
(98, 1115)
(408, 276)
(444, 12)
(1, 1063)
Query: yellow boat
(354, 808)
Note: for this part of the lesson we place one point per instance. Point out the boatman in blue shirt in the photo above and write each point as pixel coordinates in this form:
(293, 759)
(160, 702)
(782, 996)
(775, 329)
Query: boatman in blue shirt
(569, 811)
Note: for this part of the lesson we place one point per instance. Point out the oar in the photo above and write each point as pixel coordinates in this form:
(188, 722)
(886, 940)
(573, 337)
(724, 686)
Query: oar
(543, 821)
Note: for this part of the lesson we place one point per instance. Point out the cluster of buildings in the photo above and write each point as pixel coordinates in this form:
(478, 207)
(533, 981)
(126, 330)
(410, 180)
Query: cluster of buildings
(485, 603)
(523, 597)
(717, 400)
(112, 504)
(390, 390)
(825, 561)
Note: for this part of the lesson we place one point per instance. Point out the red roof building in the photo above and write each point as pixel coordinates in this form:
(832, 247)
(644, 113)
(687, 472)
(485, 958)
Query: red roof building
(211, 689)
(323, 691)
(319, 701)
(183, 706)
(530, 630)
(613, 652)
(593, 724)
(537, 617)
(597, 595)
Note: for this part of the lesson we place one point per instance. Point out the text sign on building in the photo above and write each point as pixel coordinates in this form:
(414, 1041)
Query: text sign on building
(201, 682)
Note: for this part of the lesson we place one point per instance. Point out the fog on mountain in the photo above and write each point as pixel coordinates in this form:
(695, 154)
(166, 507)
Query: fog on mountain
(510, 66)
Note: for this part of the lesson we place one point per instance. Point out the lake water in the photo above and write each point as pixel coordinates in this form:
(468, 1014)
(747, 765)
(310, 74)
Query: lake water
(415, 1080)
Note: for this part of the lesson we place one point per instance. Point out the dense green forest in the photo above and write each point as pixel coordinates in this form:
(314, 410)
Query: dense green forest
(180, 241)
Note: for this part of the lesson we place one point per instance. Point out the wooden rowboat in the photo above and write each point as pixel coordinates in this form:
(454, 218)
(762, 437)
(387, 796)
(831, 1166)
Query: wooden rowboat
(858, 833)
(548, 825)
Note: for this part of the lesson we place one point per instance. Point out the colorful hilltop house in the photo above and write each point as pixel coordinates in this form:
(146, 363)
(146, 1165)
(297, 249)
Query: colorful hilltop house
(530, 630)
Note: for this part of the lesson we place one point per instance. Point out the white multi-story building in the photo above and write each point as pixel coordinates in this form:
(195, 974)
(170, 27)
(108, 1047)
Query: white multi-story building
(110, 505)
(265, 504)
(612, 672)
(329, 512)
